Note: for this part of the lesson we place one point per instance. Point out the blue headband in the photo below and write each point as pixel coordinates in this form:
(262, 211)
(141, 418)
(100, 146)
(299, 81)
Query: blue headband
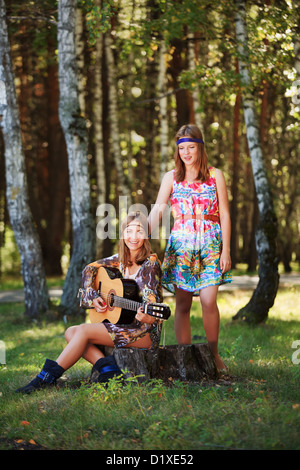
(188, 139)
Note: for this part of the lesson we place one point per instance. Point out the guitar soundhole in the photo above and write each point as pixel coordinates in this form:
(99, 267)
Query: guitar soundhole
(110, 299)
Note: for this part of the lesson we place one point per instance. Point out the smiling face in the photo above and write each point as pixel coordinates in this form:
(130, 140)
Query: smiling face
(189, 154)
(134, 245)
(134, 236)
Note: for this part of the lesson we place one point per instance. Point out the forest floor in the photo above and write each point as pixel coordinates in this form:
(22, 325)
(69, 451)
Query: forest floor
(254, 407)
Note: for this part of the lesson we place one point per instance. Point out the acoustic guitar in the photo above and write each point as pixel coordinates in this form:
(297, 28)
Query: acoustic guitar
(122, 299)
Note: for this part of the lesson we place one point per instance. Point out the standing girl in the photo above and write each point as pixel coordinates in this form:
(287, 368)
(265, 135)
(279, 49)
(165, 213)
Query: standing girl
(197, 257)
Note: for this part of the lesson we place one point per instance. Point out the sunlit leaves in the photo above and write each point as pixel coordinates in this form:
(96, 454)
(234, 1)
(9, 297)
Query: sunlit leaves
(98, 18)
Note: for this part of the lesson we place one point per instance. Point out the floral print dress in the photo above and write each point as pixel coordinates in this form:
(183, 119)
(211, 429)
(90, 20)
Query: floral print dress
(149, 281)
(192, 257)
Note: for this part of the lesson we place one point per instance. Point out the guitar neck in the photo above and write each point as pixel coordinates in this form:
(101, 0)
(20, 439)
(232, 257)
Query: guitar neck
(126, 303)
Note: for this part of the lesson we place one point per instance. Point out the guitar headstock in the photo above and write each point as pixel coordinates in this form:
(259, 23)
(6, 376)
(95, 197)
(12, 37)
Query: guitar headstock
(161, 311)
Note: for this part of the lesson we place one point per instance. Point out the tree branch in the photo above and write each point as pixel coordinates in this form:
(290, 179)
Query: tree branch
(33, 18)
(157, 98)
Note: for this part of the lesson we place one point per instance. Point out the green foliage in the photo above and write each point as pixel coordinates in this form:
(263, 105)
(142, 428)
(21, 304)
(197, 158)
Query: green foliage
(171, 19)
(98, 18)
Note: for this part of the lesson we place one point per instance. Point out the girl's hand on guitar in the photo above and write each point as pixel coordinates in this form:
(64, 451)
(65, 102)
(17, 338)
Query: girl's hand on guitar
(143, 317)
(99, 305)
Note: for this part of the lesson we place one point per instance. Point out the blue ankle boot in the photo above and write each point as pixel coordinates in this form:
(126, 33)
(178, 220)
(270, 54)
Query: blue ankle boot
(104, 369)
(47, 377)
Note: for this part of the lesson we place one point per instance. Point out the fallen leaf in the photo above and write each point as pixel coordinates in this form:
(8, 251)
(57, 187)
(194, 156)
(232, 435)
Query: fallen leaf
(32, 442)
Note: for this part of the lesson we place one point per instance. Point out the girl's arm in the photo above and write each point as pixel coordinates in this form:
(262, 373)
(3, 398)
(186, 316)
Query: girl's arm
(149, 281)
(89, 293)
(225, 260)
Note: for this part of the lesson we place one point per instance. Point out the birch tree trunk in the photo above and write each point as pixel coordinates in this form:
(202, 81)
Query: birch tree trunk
(99, 146)
(264, 295)
(195, 90)
(235, 175)
(113, 117)
(79, 50)
(163, 105)
(296, 34)
(75, 132)
(35, 288)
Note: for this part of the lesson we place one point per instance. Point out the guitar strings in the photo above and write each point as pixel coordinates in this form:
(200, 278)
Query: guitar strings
(122, 302)
(130, 304)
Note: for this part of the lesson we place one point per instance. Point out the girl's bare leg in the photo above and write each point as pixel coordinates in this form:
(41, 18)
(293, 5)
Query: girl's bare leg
(92, 353)
(81, 343)
(81, 340)
(144, 342)
(182, 316)
(211, 321)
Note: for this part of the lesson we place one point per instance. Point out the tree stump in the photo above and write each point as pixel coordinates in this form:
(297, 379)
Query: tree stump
(191, 363)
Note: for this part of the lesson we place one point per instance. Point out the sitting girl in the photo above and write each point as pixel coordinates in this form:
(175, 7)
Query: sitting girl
(134, 261)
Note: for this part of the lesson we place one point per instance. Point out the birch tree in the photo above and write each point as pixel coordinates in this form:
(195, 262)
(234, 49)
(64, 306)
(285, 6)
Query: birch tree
(297, 49)
(113, 117)
(195, 89)
(35, 288)
(99, 147)
(163, 106)
(75, 132)
(264, 295)
(79, 48)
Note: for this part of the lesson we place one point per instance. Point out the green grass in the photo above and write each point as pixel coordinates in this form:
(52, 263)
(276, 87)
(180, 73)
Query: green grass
(257, 407)
(10, 282)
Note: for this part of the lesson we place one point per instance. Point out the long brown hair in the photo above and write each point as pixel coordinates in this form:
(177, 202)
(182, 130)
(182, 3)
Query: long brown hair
(145, 250)
(193, 131)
